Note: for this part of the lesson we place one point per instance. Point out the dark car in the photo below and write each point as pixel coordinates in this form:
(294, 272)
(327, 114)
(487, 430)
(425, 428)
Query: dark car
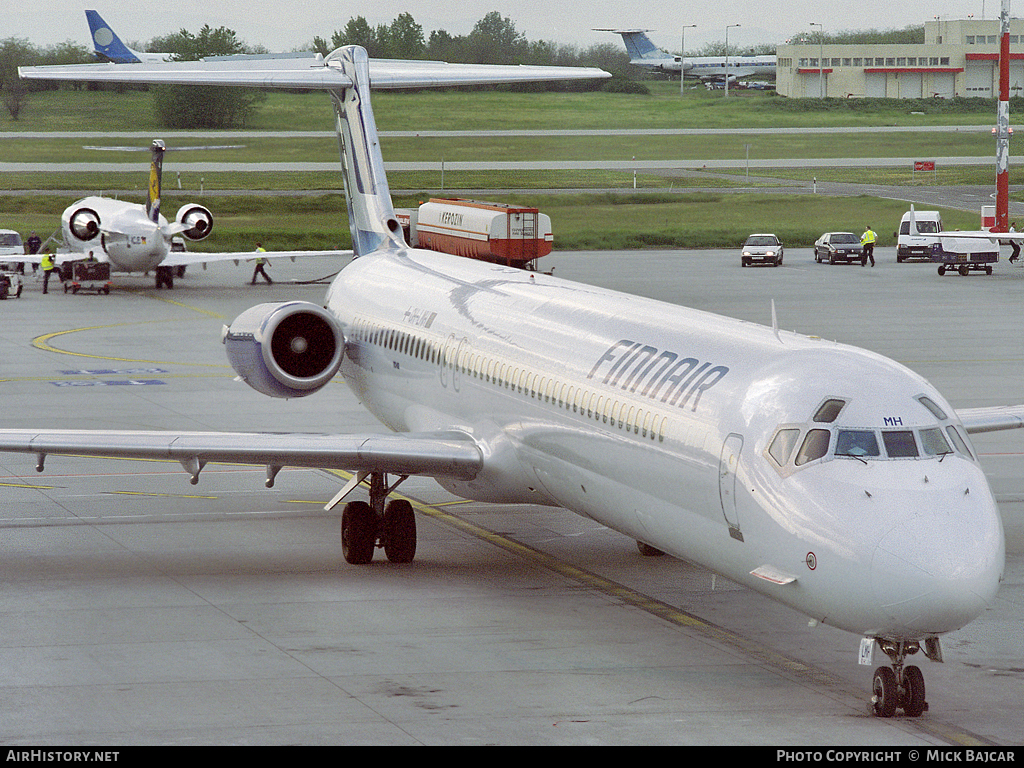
(761, 249)
(839, 246)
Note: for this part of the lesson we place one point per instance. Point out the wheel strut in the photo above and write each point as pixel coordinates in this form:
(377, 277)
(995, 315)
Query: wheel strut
(900, 687)
(389, 525)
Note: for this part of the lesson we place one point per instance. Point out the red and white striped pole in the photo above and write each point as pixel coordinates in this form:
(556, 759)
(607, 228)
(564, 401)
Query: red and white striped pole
(1003, 124)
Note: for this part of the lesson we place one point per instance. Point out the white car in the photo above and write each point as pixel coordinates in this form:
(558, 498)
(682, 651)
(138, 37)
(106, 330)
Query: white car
(762, 249)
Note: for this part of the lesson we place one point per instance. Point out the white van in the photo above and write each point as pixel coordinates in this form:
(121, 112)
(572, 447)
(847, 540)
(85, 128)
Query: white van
(918, 246)
(10, 244)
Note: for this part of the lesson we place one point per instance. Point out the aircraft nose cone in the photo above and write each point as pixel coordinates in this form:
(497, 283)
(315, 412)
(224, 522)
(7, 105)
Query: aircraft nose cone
(930, 577)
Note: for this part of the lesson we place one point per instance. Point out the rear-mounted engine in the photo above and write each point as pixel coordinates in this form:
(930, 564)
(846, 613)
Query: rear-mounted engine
(290, 349)
(84, 224)
(197, 219)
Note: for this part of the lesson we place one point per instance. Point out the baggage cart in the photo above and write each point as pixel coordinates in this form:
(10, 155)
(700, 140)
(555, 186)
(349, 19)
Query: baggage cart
(963, 256)
(86, 275)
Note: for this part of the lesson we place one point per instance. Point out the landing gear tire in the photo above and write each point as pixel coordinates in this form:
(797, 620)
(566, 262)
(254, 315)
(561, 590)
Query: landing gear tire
(399, 535)
(648, 551)
(913, 700)
(884, 692)
(358, 533)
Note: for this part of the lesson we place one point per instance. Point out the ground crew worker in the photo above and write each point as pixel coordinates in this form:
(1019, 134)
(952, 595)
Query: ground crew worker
(260, 262)
(1014, 245)
(867, 240)
(49, 266)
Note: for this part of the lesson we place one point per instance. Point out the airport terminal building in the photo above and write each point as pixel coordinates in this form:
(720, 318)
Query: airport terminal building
(959, 57)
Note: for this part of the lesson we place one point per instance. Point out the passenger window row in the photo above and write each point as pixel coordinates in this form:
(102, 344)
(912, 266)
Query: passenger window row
(593, 405)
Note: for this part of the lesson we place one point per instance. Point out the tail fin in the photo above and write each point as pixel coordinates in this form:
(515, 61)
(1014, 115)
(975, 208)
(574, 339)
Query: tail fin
(371, 214)
(156, 168)
(639, 45)
(106, 44)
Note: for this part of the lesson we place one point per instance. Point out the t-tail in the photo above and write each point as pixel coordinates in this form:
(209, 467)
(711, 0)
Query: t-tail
(156, 168)
(371, 214)
(106, 44)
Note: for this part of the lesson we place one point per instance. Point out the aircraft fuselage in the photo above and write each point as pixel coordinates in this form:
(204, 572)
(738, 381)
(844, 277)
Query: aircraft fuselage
(125, 235)
(663, 423)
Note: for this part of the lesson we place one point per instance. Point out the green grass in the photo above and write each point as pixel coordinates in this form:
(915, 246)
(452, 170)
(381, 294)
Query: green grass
(581, 220)
(620, 220)
(81, 110)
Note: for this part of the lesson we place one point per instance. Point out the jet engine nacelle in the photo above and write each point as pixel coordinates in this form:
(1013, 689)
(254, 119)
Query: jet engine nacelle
(197, 219)
(84, 224)
(288, 349)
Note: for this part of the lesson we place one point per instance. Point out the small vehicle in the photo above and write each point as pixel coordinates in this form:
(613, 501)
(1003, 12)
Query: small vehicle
(86, 275)
(11, 247)
(964, 256)
(917, 244)
(10, 285)
(10, 244)
(839, 246)
(762, 249)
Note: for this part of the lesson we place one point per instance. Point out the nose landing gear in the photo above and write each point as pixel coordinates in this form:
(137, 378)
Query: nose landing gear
(901, 687)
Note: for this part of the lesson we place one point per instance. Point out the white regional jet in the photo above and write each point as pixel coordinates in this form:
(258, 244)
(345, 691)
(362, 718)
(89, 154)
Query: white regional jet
(138, 238)
(827, 477)
(644, 53)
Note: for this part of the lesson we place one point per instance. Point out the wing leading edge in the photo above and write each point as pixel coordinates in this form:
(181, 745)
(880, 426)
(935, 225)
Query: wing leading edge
(435, 454)
(992, 419)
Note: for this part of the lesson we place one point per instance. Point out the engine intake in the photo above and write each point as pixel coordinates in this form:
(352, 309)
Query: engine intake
(289, 349)
(197, 219)
(84, 224)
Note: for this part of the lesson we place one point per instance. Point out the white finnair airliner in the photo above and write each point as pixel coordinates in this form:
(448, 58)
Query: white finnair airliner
(828, 477)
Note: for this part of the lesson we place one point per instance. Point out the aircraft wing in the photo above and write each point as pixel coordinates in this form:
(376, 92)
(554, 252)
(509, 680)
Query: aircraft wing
(187, 258)
(992, 419)
(435, 454)
(311, 73)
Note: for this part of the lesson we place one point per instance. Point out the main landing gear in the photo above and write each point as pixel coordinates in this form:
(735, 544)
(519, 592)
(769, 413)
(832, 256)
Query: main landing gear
(367, 526)
(901, 687)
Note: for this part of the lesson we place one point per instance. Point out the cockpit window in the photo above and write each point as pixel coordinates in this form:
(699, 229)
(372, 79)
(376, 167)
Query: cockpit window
(856, 442)
(815, 446)
(958, 441)
(934, 443)
(828, 411)
(928, 403)
(782, 446)
(899, 444)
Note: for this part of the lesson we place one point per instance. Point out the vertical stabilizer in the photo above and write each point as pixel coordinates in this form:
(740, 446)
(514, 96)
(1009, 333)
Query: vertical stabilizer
(106, 44)
(371, 215)
(639, 45)
(156, 168)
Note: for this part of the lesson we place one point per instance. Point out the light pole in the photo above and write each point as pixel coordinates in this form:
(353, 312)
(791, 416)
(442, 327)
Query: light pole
(682, 56)
(821, 59)
(727, 58)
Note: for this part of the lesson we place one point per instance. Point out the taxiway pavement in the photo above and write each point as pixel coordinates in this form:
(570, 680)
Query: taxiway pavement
(138, 609)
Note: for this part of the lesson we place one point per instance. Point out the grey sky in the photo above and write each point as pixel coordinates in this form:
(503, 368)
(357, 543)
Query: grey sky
(286, 25)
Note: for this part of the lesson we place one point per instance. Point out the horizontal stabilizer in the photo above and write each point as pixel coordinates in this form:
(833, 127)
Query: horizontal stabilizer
(317, 74)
